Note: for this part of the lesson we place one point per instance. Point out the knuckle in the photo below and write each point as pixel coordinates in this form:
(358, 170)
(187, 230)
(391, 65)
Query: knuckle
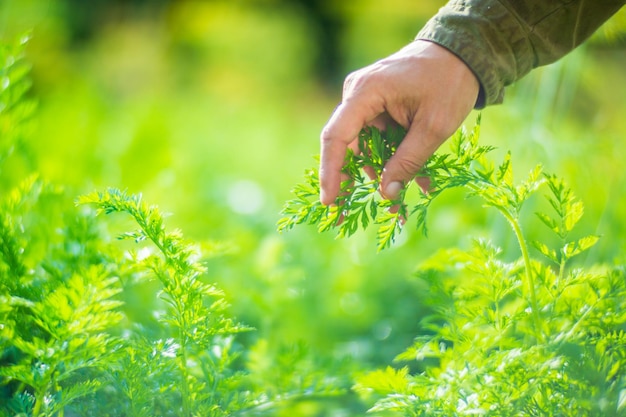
(351, 81)
(438, 127)
(408, 167)
(327, 134)
(358, 80)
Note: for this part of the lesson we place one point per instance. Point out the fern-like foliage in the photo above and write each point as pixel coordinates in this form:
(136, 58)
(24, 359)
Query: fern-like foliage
(16, 108)
(200, 330)
(55, 316)
(513, 337)
(60, 338)
(91, 328)
(57, 311)
(359, 205)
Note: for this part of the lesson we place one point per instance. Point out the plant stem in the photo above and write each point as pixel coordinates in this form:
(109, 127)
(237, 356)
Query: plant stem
(40, 395)
(498, 322)
(561, 275)
(530, 279)
(184, 372)
(38, 402)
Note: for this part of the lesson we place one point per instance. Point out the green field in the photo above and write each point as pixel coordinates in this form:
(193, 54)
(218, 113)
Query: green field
(211, 112)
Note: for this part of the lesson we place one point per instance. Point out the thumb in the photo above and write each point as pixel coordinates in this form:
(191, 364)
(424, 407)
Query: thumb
(406, 163)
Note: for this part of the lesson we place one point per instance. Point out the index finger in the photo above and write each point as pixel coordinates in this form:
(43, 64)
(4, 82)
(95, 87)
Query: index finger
(341, 130)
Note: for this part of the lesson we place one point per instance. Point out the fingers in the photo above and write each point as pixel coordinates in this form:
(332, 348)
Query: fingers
(417, 146)
(341, 132)
(424, 183)
(444, 103)
(423, 87)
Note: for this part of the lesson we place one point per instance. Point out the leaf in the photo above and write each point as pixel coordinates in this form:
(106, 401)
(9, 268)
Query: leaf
(574, 248)
(330, 219)
(384, 381)
(546, 251)
(568, 209)
(532, 183)
(75, 391)
(391, 225)
(550, 222)
(573, 213)
(357, 205)
(505, 171)
(424, 347)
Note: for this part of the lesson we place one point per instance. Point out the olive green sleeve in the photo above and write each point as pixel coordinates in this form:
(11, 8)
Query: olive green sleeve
(503, 40)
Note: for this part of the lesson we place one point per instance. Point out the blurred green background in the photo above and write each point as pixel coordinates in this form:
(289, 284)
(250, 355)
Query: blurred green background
(212, 110)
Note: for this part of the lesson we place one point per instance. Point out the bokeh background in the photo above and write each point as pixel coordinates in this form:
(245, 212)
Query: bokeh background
(212, 110)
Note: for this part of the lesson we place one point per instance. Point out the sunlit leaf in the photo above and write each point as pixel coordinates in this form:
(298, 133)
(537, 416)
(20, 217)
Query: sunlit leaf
(546, 251)
(550, 222)
(573, 214)
(384, 381)
(574, 248)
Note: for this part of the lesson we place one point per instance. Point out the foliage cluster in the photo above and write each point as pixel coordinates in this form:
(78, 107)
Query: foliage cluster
(72, 340)
(358, 204)
(65, 343)
(137, 328)
(529, 336)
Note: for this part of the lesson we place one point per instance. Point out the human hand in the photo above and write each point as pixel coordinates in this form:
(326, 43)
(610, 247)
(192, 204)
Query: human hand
(423, 87)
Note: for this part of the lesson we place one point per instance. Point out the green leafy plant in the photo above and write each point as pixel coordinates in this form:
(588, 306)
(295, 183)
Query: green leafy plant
(483, 353)
(16, 108)
(359, 205)
(59, 305)
(70, 345)
(89, 327)
(63, 339)
(198, 332)
(55, 305)
(531, 336)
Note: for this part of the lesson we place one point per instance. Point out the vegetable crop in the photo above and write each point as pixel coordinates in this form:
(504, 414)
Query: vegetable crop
(527, 336)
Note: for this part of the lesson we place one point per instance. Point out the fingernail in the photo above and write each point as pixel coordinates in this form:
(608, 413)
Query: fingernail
(323, 197)
(393, 190)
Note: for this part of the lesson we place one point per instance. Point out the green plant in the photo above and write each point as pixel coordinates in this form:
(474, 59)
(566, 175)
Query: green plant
(53, 317)
(67, 343)
(197, 332)
(523, 337)
(483, 353)
(88, 327)
(57, 297)
(359, 204)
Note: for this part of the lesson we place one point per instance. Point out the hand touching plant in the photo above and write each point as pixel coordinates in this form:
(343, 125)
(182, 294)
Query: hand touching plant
(524, 336)
(359, 205)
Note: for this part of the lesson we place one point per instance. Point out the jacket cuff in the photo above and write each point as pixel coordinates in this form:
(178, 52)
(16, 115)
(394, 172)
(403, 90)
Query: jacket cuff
(490, 41)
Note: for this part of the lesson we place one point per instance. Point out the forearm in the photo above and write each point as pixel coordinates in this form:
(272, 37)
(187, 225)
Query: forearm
(503, 40)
